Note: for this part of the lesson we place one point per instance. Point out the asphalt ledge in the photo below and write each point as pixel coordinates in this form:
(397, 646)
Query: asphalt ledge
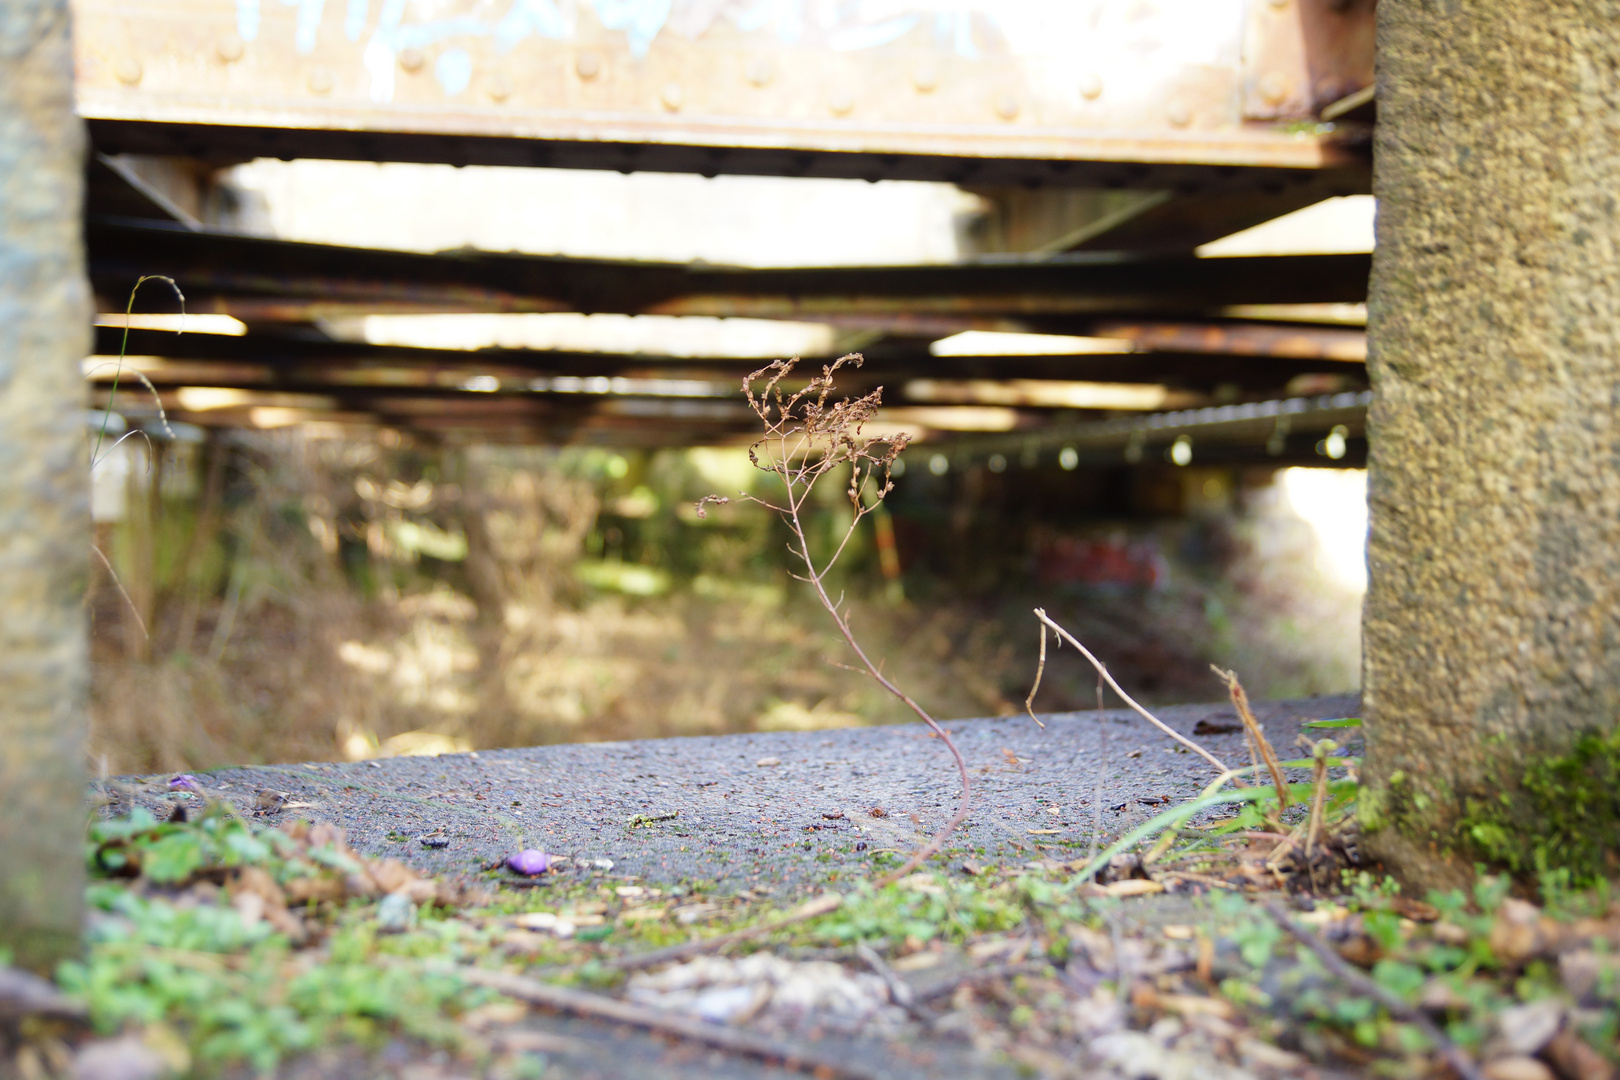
(770, 812)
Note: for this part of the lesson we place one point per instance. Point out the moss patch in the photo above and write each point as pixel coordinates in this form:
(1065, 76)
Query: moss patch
(1562, 814)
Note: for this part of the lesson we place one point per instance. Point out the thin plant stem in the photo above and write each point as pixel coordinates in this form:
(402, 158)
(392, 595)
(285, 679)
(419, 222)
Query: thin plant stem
(123, 349)
(1102, 767)
(133, 610)
(1040, 669)
(1257, 734)
(1127, 699)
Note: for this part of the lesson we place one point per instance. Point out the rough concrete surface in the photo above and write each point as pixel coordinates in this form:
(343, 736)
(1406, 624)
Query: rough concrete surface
(1493, 606)
(44, 484)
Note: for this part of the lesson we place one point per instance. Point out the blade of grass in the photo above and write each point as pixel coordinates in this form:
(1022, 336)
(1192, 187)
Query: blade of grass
(1180, 814)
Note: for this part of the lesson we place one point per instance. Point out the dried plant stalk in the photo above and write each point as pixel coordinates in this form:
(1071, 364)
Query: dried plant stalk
(1040, 669)
(808, 435)
(1240, 702)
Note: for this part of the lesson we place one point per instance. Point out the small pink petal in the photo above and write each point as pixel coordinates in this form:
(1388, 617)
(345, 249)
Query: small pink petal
(184, 782)
(530, 862)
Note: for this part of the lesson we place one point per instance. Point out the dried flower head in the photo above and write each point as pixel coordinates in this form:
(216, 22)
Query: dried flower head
(809, 434)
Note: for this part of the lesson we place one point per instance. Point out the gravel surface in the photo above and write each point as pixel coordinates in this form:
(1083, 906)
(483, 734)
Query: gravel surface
(772, 812)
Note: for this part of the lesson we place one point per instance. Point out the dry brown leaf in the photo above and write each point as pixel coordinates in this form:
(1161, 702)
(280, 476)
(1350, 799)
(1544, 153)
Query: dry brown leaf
(1198, 1005)
(257, 881)
(1516, 1067)
(390, 875)
(325, 834)
(1575, 1060)
(319, 889)
(1416, 910)
(1518, 935)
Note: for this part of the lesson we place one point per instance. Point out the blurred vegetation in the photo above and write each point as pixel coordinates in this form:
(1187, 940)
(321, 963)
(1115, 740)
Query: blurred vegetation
(312, 596)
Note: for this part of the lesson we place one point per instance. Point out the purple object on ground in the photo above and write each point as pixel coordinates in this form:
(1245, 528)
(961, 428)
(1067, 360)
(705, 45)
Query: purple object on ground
(185, 782)
(530, 862)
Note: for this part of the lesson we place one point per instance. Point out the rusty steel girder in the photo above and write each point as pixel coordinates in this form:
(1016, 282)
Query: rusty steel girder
(1112, 92)
(261, 279)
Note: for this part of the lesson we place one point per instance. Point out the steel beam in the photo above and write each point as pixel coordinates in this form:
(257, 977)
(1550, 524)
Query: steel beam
(266, 280)
(992, 91)
(277, 361)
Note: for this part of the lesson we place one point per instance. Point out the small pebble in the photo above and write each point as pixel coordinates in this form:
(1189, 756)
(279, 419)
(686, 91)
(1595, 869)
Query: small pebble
(395, 913)
(764, 761)
(530, 862)
(126, 1058)
(434, 841)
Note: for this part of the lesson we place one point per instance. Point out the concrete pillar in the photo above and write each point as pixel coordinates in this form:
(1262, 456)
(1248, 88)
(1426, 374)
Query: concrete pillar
(1492, 623)
(44, 486)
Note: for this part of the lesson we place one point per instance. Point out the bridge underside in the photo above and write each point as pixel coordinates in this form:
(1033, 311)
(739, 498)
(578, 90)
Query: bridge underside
(1107, 162)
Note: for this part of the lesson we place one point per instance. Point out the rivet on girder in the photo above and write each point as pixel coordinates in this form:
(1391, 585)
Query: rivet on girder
(1178, 113)
(760, 71)
(320, 79)
(842, 102)
(925, 77)
(1091, 87)
(671, 96)
(229, 47)
(128, 70)
(1007, 107)
(498, 86)
(1274, 87)
(412, 59)
(587, 65)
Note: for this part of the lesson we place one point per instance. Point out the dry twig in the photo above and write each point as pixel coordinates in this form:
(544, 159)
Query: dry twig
(1102, 671)
(981, 975)
(719, 1036)
(900, 991)
(1366, 987)
(1040, 669)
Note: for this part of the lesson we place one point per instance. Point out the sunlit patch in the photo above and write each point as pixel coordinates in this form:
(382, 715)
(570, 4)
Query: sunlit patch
(994, 343)
(946, 418)
(423, 744)
(366, 658)
(176, 323)
(655, 335)
(1334, 503)
(1051, 394)
(792, 716)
